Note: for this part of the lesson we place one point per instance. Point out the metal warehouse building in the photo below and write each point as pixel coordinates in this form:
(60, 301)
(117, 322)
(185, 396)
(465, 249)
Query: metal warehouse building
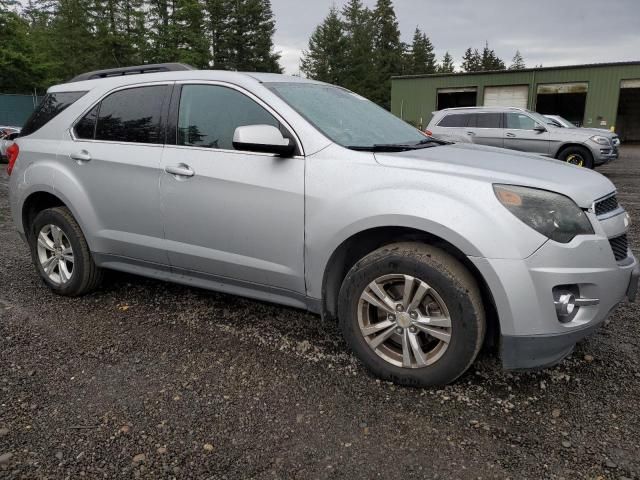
(598, 95)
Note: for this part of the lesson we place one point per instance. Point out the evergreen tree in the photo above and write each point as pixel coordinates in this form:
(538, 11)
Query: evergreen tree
(490, 61)
(249, 38)
(359, 37)
(188, 34)
(471, 61)
(325, 58)
(160, 31)
(517, 63)
(218, 26)
(447, 65)
(19, 70)
(422, 59)
(70, 42)
(387, 51)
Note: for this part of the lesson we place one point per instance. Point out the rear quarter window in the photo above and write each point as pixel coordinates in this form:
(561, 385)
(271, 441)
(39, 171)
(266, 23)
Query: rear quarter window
(454, 120)
(50, 106)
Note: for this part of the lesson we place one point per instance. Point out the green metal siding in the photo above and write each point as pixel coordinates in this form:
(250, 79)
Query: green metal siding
(414, 98)
(15, 109)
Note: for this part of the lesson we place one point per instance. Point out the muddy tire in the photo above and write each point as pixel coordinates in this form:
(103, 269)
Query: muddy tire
(412, 314)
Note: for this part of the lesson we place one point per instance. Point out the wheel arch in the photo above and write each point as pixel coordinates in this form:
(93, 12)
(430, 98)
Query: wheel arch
(366, 241)
(34, 204)
(40, 199)
(565, 146)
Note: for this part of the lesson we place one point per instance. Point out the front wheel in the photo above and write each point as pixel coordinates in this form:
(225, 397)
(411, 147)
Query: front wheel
(579, 156)
(412, 314)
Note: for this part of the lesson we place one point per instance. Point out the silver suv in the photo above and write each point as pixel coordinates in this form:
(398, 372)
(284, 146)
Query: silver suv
(526, 131)
(305, 194)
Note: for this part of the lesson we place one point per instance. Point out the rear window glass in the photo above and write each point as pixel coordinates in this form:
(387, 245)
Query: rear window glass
(50, 106)
(132, 115)
(456, 120)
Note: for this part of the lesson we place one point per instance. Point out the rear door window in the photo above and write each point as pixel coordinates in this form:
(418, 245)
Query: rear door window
(454, 120)
(486, 120)
(132, 115)
(50, 106)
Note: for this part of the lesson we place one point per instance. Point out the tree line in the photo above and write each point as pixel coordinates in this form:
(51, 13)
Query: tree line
(43, 42)
(360, 49)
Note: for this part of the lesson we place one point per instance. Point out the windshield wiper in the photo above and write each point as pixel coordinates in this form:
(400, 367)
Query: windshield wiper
(398, 147)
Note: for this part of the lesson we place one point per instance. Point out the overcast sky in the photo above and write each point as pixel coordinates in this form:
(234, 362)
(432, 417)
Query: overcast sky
(547, 32)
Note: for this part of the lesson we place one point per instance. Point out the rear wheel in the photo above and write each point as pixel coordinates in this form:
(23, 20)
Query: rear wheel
(579, 156)
(412, 314)
(61, 254)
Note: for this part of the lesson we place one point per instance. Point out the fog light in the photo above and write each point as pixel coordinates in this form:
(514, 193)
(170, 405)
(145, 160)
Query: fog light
(566, 304)
(568, 300)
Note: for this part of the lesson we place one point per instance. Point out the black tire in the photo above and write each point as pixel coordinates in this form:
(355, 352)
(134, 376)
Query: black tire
(453, 283)
(577, 156)
(85, 275)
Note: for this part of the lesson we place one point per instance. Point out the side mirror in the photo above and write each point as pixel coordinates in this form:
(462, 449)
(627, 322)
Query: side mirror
(539, 128)
(262, 138)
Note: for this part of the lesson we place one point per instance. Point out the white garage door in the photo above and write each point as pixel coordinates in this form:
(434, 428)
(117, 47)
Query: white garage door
(511, 96)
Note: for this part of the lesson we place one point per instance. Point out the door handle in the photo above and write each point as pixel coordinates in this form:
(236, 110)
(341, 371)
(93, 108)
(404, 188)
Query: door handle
(181, 170)
(511, 135)
(471, 133)
(81, 156)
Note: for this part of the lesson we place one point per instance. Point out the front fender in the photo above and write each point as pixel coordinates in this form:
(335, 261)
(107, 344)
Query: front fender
(460, 220)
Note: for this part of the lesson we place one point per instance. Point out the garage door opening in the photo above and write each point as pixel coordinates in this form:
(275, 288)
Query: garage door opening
(508, 96)
(565, 99)
(628, 119)
(457, 97)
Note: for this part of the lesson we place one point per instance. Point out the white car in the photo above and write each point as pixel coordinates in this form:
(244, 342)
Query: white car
(7, 135)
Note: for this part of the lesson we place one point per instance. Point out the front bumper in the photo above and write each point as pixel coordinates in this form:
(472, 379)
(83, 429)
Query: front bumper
(602, 155)
(532, 335)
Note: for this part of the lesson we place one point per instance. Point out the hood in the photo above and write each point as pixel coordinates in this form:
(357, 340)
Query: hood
(578, 133)
(599, 131)
(498, 165)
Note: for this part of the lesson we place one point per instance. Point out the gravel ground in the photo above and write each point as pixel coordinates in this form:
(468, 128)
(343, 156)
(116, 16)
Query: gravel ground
(145, 379)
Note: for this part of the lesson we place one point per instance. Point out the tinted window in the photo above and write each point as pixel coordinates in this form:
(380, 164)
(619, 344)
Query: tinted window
(132, 115)
(455, 120)
(210, 114)
(86, 127)
(487, 120)
(52, 104)
(520, 121)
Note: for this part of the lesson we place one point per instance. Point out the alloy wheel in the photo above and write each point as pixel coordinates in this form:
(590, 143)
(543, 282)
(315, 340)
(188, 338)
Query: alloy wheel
(404, 321)
(55, 254)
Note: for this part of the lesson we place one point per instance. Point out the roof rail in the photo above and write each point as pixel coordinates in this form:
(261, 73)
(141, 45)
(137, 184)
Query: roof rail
(134, 70)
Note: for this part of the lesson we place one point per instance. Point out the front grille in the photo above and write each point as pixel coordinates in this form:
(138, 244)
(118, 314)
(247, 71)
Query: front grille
(609, 204)
(619, 246)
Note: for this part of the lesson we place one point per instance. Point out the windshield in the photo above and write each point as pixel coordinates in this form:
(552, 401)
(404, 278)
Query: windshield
(558, 121)
(564, 122)
(541, 119)
(345, 117)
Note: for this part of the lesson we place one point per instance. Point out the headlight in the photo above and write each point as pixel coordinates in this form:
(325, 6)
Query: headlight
(600, 140)
(551, 214)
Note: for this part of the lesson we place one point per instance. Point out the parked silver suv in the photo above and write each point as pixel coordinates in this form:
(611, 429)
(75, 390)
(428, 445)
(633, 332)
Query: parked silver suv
(305, 194)
(526, 131)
